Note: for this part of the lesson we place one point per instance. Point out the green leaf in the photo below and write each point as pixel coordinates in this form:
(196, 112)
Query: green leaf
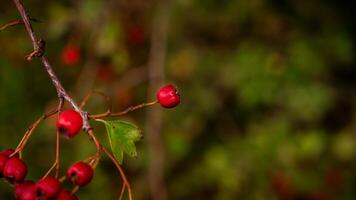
(122, 138)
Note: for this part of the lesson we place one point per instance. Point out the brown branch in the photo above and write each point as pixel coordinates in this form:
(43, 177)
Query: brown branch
(38, 51)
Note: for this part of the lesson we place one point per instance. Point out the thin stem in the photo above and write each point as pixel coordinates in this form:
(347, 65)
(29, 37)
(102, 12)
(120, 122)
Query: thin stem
(122, 191)
(30, 130)
(122, 173)
(116, 114)
(13, 23)
(90, 94)
(57, 153)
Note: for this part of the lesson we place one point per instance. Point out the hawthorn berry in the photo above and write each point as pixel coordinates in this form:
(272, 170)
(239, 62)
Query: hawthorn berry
(8, 152)
(3, 160)
(168, 96)
(48, 188)
(69, 123)
(15, 170)
(80, 173)
(70, 55)
(25, 191)
(66, 195)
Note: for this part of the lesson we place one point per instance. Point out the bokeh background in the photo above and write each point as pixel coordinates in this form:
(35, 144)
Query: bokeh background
(268, 105)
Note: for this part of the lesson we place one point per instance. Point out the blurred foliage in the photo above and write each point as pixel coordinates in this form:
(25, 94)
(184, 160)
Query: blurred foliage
(268, 105)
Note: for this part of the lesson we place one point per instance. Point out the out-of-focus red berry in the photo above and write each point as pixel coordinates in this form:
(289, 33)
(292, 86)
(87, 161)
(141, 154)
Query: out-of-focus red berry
(70, 55)
(104, 74)
(136, 35)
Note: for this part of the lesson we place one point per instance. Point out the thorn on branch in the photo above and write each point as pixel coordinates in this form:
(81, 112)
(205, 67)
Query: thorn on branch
(39, 51)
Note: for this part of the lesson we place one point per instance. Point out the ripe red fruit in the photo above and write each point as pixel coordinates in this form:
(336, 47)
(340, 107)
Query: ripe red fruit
(70, 55)
(25, 191)
(3, 160)
(69, 123)
(15, 170)
(48, 188)
(66, 195)
(80, 173)
(168, 96)
(8, 152)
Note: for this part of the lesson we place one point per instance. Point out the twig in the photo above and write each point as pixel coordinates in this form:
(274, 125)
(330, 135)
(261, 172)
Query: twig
(122, 173)
(38, 51)
(30, 130)
(116, 114)
(13, 23)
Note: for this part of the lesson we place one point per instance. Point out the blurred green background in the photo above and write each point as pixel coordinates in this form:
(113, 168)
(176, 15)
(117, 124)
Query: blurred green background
(268, 105)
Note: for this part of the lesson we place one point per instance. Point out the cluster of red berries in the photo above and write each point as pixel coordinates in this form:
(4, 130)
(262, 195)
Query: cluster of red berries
(14, 170)
(69, 124)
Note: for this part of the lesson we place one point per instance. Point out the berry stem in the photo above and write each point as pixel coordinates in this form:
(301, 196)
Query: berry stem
(122, 191)
(30, 130)
(122, 173)
(127, 110)
(13, 23)
(57, 153)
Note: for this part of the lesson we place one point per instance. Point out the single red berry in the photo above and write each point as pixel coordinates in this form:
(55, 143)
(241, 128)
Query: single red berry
(3, 160)
(8, 152)
(25, 191)
(69, 123)
(80, 173)
(15, 170)
(70, 55)
(48, 188)
(66, 195)
(168, 96)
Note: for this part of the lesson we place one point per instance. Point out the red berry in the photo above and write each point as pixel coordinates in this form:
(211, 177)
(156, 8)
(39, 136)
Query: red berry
(25, 191)
(69, 123)
(3, 160)
(8, 152)
(66, 195)
(168, 96)
(15, 170)
(70, 55)
(48, 188)
(80, 173)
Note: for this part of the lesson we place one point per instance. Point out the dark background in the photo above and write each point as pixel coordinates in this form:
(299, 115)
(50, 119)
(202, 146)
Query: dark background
(268, 105)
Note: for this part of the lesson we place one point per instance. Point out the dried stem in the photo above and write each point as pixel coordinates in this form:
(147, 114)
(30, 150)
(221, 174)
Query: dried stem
(108, 113)
(122, 173)
(30, 130)
(13, 23)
